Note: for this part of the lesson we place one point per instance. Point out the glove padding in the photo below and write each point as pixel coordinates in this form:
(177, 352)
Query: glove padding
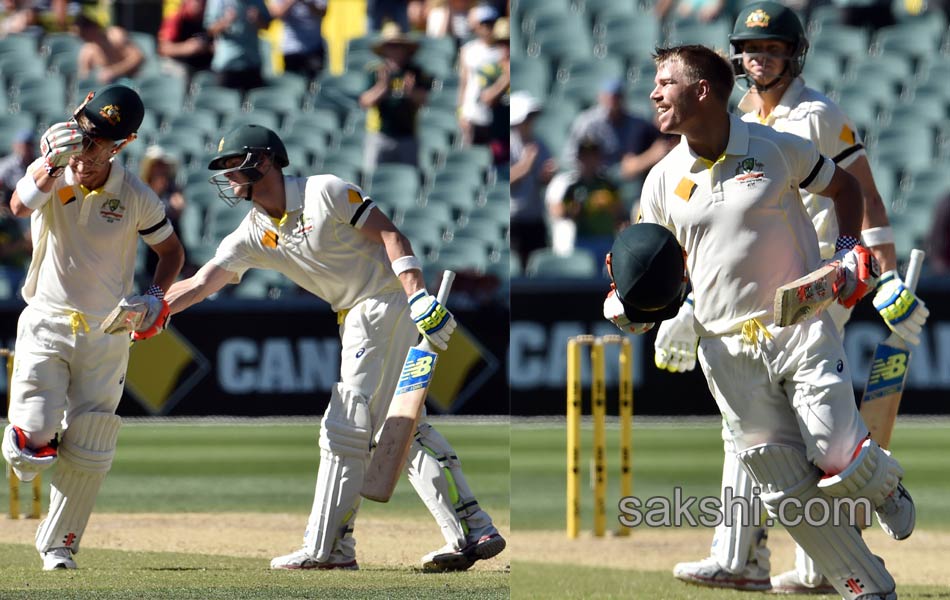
(676, 341)
(858, 273)
(432, 319)
(155, 315)
(902, 311)
(613, 312)
(60, 142)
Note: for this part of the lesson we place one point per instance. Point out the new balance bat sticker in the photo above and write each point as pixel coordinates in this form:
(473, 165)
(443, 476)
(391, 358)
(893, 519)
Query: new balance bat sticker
(806, 297)
(395, 437)
(885, 385)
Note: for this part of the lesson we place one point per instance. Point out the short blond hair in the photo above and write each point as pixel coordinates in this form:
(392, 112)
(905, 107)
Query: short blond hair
(700, 62)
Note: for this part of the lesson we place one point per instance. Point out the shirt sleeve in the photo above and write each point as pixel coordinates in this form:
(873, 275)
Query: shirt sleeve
(152, 224)
(345, 201)
(651, 200)
(837, 136)
(808, 168)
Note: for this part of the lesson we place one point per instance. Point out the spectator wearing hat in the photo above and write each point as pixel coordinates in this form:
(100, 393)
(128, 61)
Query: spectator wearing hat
(13, 165)
(475, 55)
(532, 167)
(233, 24)
(107, 52)
(303, 45)
(400, 90)
(584, 204)
(630, 145)
(495, 93)
(183, 40)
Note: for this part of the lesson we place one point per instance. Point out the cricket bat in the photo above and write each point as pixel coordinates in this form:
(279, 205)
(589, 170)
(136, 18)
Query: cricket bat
(806, 297)
(395, 437)
(885, 386)
(124, 318)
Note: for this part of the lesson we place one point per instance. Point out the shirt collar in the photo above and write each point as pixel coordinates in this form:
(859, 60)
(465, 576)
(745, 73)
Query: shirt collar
(293, 198)
(113, 182)
(785, 105)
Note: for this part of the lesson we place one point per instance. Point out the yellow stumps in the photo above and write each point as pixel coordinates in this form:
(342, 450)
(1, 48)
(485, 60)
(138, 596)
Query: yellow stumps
(37, 485)
(574, 395)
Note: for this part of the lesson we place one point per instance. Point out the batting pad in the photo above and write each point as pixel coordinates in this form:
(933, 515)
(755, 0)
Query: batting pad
(873, 474)
(345, 436)
(839, 552)
(733, 547)
(85, 457)
(436, 474)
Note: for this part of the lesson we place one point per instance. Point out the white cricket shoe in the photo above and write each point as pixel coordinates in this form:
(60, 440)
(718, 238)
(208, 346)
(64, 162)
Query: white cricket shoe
(301, 559)
(897, 515)
(707, 572)
(481, 544)
(58, 558)
(878, 596)
(790, 583)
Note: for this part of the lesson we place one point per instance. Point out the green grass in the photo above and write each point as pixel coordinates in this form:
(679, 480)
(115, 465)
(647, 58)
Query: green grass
(668, 455)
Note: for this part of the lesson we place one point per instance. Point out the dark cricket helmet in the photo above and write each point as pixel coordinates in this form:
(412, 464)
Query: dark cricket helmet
(647, 266)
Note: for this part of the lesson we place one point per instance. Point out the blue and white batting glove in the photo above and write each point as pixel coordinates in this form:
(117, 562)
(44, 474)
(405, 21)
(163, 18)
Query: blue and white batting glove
(613, 312)
(432, 319)
(902, 311)
(676, 341)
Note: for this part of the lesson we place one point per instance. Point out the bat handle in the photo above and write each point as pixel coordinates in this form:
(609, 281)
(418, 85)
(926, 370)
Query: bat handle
(913, 269)
(447, 278)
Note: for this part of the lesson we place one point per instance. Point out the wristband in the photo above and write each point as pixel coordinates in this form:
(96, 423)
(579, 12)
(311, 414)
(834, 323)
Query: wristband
(30, 195)
(878, 236)
(846, 242)
(154, 290)
(406, 263)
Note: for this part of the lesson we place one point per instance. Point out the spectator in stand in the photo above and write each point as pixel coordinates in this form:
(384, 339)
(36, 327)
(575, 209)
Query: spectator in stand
(449, 18)
(473, 56)
(381, 12)
(107, 53)
(183, 40)
(938, 241)
(584, 204)
(629, 144)
(400, 90)
(13, 165)
(158, 170)
(233, 24)
(702, 11)
(17, 16)
(496, 95)
(16, 249)
(531, 168)
(303, 45)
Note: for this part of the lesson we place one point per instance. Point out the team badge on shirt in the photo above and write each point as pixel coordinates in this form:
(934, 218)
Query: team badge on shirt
(749, 171)
(112, 210)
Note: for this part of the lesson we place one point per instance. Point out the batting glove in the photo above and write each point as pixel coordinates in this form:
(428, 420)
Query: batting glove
(433, 320)
(155, 313)
(613, 312)
(58, 144)
(902, 311)
(676, 341)
(858, 273)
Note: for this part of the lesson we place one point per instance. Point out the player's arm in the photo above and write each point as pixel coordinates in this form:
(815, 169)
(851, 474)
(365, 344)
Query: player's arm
(876, 225)
(132, 55)
(26, 198)
(171, 258)
(845, 191)
(208, 280)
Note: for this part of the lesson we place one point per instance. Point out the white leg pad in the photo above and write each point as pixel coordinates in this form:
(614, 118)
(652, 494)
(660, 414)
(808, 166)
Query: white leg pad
(85, 457)
(873, 474)
(735, 546)
(839, 552)
(345, 436)
(436, 474)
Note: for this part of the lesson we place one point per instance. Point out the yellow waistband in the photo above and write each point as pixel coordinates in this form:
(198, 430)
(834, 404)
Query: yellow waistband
(77, 320)
(750, 332)
(341, 316)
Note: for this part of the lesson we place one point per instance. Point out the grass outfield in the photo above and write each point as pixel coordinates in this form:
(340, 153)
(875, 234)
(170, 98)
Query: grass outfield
(167, 472)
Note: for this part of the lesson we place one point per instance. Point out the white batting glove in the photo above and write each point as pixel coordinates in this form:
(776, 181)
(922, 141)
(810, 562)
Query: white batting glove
(676, 341)
(902, 311)
(432, 319)
(60, 142)
(613, 312)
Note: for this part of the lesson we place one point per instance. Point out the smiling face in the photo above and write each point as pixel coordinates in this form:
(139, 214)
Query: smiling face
(674, 96)
(765, 60)
(91, 166)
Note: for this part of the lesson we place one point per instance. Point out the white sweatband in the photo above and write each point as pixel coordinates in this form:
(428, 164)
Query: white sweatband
(878, 236)
(406, 263)
(30, 195)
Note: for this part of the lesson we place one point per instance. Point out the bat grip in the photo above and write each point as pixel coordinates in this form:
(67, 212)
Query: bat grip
(447, 278)
(913, 269)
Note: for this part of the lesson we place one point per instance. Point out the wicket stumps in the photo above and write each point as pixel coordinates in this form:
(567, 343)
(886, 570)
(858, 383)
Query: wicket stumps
(598, 403)
(37, 485)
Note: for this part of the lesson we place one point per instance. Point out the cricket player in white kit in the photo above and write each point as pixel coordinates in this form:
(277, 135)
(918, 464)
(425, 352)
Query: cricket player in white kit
(330, 239)
(769, 48)
(87, 215)
(729, 192)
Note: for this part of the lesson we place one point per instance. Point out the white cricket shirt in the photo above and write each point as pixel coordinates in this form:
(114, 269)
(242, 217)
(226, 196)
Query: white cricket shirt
(810, 114)
(316, 245)
(741, 219)
(84, 243)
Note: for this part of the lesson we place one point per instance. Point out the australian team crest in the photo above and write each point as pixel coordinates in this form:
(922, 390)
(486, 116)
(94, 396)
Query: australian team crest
(749, 171)
(112, 210)
(757, 18)
(110, 113)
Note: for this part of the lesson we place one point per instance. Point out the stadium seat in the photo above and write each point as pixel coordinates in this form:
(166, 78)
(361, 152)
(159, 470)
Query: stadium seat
(394, 177)
(578, 265)
(894, 69)
(482, 229)
(221, 100)
(460, 201)
(714, 34)
(223, 219)
(531, 75)
(15, 68)
(561, 49)
(435, 214)
(842, 41)
(913, 39)
(265, 118)
(280, 101)
(459, 260)
(199, 120)
(21, 44)
(628, 36)
(44, 99)
(904, 148)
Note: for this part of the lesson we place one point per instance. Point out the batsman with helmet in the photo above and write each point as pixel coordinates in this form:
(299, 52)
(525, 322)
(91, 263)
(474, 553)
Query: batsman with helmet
(329, 238)
(87, 215)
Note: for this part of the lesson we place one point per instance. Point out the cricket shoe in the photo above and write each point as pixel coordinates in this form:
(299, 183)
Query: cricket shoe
(707, 572)
(486, 543)
(58, 558)
(790, 583)
(897, 514)
(301, 559)
(878, 596)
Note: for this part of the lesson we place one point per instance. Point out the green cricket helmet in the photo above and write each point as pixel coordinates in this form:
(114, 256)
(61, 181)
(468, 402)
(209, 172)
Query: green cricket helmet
(252, 143)
(769, 21)
(648, 268)
(114, 112)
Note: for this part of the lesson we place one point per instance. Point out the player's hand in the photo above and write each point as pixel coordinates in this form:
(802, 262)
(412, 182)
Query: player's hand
(858, 273)
(676, 341)
(613, 312)
(155, 315)
(60, 142)
(432, 319)
(900, 308)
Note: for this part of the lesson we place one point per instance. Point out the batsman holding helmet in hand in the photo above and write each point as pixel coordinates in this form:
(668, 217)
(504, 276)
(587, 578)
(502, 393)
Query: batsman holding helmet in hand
(729, 193)
(87, 214)
(330, 239)
(768, 53)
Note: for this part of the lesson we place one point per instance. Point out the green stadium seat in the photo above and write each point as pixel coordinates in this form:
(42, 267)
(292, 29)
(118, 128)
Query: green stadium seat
(435, 214)
(221, 100)
(394, 177)
(201, 120)
(714, 34)
(460, 201)
(483, 229)
(531, 75)
(915, 39)
(841, 40)
(264, 118)
(280, 101)
(223, 219)
(558, 48)
(544, 263)
(20, 44)
(895, 69)
(904, 148)
(459, 260)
